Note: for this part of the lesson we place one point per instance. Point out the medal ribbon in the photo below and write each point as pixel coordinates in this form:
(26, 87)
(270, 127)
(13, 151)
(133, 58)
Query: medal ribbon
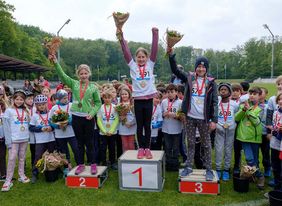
(81, 93)
(277, 121)
(142, 71)
(67, 111)
(169, 105)
(225, 115)
(45, 121)
(107, 114)
(154, 110)
(20, 118)
(200, 90)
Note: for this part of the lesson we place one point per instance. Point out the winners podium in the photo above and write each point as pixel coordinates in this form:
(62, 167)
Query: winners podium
(86, 179)
(196, 183)
(141, 174)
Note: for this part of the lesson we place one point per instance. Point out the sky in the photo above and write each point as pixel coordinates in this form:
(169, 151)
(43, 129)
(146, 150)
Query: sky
(216, 24)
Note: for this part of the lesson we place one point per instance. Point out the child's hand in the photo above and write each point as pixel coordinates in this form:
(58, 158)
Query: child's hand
(212, 126)
(268, 137)
(89, 117)
(48, 129)
(246, 105)
(172, 115)
(154, 29)
(166, 114)
(52, 58)
(127, 125)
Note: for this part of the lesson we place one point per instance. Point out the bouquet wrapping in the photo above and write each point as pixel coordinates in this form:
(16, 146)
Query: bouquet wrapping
(172, 38)
(120, 19)
(52, 44)
(122, 110)
(51, 161)
(60, 118)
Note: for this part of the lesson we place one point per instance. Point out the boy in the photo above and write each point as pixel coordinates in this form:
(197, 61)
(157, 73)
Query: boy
(244, 96)
(200, 104)
(236, 92)
(249, 131)
(225, 130)
(172, 127)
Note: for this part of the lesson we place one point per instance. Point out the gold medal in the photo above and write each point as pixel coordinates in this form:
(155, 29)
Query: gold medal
(108, 125)
(79, 105)
(225, 126)
(143, 84)
(199, 102)
(1, 122)
(22, 128)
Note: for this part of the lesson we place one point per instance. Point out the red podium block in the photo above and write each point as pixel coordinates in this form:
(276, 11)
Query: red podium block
(86, 179)
(196, 183)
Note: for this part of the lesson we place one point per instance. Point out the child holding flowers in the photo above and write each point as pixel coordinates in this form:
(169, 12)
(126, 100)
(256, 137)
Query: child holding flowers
(141, 72)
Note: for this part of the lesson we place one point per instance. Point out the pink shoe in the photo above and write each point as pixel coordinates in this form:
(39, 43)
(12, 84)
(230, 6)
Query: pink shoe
(93, 169)
(148, 153)
(140, 154)
(79, 169)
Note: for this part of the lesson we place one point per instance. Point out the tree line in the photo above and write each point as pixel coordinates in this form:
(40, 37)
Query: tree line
(248, 61)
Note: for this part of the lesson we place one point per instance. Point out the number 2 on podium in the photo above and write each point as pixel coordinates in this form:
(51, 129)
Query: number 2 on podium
(139, 171)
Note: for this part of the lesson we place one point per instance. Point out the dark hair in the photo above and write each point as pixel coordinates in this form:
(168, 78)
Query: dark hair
(53, 97)
(236, 87)
(180, 88)
(264, 89)
(162, 89)
(256, 90)
(245, 86)
(278, 97)
(141, 49)
(171, 87)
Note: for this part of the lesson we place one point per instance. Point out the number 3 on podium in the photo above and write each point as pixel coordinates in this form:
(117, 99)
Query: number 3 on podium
(198, 187)
(139, 171)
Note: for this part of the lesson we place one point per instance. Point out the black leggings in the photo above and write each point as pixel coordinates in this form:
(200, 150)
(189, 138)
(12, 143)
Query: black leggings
(143, 113)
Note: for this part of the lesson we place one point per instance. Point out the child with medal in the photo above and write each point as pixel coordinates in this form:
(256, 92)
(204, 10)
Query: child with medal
(107, 121)
(225, 130)
(3, 148)
(16, 121)
(143, 88)
(85, 105)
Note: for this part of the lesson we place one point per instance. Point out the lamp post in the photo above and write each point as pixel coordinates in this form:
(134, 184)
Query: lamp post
(58, 32)
(272, 57)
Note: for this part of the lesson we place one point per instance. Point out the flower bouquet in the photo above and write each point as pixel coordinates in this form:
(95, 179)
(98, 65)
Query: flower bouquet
(172, 37)
(52, 44)
(247, 171)
(180, 115)
(120, 19)
(60, 118)
(122, 110)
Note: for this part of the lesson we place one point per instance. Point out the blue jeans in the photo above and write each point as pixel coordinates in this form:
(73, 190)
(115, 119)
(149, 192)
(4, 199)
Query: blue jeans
(251, 151)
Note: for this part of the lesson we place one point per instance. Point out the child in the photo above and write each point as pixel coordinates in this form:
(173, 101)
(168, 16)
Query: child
(64, 134)
(157, 121)
(2, 140)
(236, 92)
(85, 105)
(225, 130)
(200, 105)
(47, 92)
(172, 127)
(265, 147)
(43, 132)
(16, 120)
(245, 95)
(32, 110)
(249, 131)
(53, 100)
(127, 125)
(107, 121)
(276, 145)
(143, 89)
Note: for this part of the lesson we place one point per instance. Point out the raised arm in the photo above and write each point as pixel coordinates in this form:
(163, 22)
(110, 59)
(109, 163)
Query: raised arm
(125, 49)
(155, 41)
(173, 66)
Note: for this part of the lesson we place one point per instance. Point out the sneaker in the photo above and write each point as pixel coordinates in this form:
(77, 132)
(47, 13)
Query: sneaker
(209, 175)
(148, 153)
(140, 154)
(260, 183)
(24, 179)
(218, 172)
(225, 176)
(93, 169)
(6, 187)
(33, 179)
(3, 178)
(186, 171)
(79, 169)
(65, 172)
(267, 172)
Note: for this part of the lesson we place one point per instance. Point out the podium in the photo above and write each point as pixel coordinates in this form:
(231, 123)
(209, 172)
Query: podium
(86, 179)
(196, 183)
(141, 174)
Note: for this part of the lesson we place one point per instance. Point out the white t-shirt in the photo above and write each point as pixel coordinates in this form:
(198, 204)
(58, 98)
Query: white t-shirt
(59, 133)
(156, 117)
(230, 120)
(243, 98)
(41, 137)
(145, 86)
(130, 119)
(274, 142)
(171, 125)
(102, 115)
(197, 100)
(18, 129)
(272, 103)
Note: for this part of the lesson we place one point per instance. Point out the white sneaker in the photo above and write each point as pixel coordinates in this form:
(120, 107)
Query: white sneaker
(6, 187)
(24, 179)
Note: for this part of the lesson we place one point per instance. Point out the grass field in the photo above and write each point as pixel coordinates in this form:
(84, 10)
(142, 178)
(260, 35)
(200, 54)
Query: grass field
(43, 193)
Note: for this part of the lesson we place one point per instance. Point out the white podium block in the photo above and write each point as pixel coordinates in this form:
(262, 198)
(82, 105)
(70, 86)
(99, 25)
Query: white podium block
(141, 174)
(196, 183)
(86, 179)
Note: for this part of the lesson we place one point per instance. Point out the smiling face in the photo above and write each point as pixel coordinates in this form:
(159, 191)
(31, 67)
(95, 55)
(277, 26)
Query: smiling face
(124, 95)
(279, 86)
(41, 107)
(201, 70)
(29, 101)
(19, 101)
(83, 75)
(46, 92)
(141, 58)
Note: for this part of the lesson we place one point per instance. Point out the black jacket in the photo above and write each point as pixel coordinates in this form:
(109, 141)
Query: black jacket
(211, 98)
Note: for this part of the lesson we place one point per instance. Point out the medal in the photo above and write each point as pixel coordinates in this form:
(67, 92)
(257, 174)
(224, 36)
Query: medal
(169, 105)
(108, 115)
(199, 102)
(143, 84)
(200, 90)
(81, 93)
(225, 126)
(225, 114)
(79, 105)
(1, 122)
(22, 128)
(142, 70)
(108, 125)
(21, 119)
(45, 121)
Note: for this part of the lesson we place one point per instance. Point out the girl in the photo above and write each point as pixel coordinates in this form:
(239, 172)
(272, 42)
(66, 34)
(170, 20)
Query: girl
(47, 91)
(2, 140)
(127, 125)
(44, 136)
(276, 144)
(16, 120)
(141, 72)
(107, 121)
(64, 135)
(27, 86)
(86, 103)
